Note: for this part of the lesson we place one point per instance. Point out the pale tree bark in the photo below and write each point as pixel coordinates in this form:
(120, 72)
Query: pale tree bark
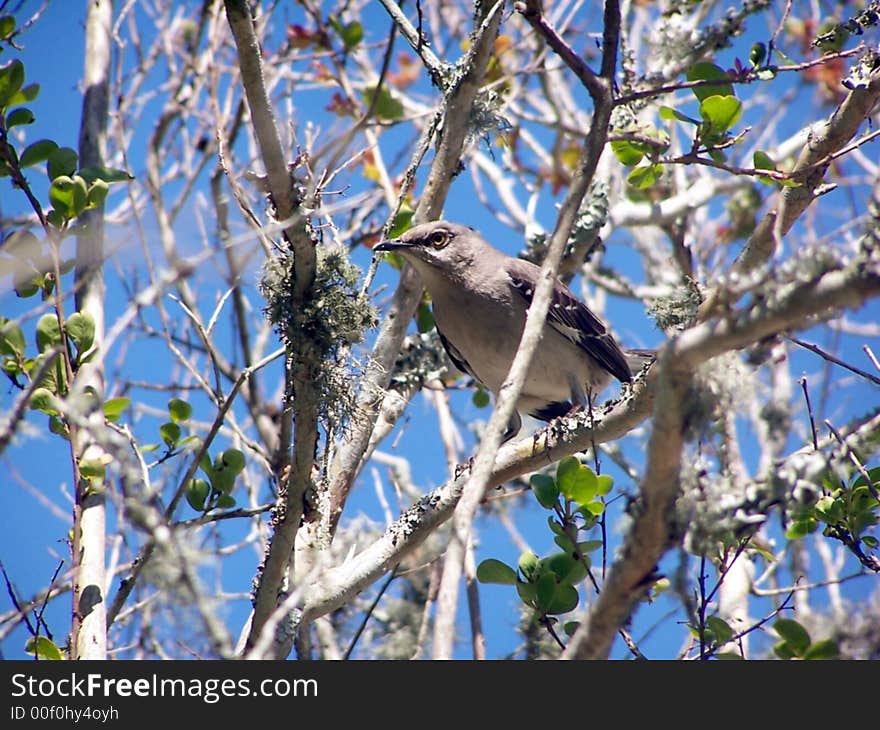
(89, 627)
(303, 412)
(633, 573)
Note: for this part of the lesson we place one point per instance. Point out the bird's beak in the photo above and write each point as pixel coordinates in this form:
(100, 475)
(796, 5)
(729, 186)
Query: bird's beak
(389, 245)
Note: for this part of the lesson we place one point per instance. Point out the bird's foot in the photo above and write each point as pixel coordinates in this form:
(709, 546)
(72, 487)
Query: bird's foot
(462, 468)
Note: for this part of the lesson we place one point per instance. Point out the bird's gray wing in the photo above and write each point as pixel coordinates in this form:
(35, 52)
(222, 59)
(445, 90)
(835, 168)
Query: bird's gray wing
(573, 320)
(456, 357)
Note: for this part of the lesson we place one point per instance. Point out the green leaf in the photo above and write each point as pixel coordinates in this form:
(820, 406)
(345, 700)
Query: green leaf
(801, 528)
(386, 106)
(206, 465)
(232, 460)
(25, 95)
(528, 564)
(19, 117)
(105, 174)
(56, 219)
(7, 28)
(721, 629)
(825, 649)
(11, 80)
(351, 33)
(225, 468)
(757, 54)
(424, 317)
(565, 599)
(43, 648)
(545, 590)
(720, 112)
(763, 161)
(577, 572)
(870, 541)
(645, 176)
(48, 332)
(576, 481)
(783, 650)
(115, 407)
(527, 592)
(197, 493)
(595, 507)
(589, 546)
(668, 113)
(604, 483)
(50, 377)
(402, 222)
(545, 490)
(224, 501)
(494, 571)
(829, 510)
(61, 161)
(179, 410)
(69, 195)
(170, 433)
(564, 542)
(555, 527)
(874, 473)
(57, 426)
(12, 340)
(44, 400)
(705, 71)
(81, 331)
(629, 153)
(97, 194)
(480, 398)
(560, 564)
(793, 634)
(93, 469)
(661, 585)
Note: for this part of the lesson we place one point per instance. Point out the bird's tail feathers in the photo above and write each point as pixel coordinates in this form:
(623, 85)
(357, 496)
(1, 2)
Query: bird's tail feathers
(638, 359)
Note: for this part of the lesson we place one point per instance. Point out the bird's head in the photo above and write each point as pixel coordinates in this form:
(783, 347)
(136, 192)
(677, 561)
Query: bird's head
(440, 246)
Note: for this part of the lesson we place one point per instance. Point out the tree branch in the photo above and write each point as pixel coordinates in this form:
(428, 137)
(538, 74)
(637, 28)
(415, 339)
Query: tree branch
(633, 572)
(89, 629)
(810, 169)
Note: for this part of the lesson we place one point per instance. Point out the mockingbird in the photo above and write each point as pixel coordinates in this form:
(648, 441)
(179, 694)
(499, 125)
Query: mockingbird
(480, 298)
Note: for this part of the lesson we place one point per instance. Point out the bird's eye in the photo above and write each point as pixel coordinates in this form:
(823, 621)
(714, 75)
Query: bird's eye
(439, 239)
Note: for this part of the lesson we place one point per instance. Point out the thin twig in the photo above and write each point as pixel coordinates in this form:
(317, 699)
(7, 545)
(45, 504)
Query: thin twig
(854, 459)
(366, 618)
(837, 361)
(803, 381)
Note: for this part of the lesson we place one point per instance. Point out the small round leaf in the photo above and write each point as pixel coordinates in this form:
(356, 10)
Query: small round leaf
(545, 490)
(494, 571)
(81, 331)
(197, 493)
(114, 408)
(179, 410)
(43, 648)
(170, 433)
(61, 161)
(48, 332)
(795, 635)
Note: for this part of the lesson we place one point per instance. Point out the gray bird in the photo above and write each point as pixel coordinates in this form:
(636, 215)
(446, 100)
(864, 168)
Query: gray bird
(480, 298)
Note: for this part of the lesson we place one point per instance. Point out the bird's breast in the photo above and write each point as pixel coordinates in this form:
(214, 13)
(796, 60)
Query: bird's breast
(486, 331)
